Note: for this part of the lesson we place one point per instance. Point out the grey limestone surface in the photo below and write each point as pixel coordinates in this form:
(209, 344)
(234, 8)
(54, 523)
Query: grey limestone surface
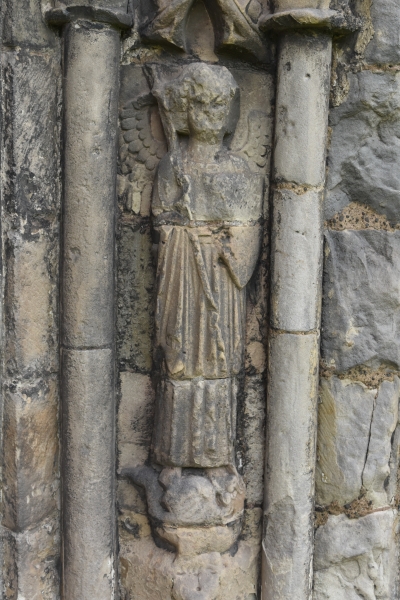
(345, 414)
(24, 25)
(355, 558)
(385, 419)
(365, 145)
(358, 434)
(384, 47)
(361, 304)
(355, 431)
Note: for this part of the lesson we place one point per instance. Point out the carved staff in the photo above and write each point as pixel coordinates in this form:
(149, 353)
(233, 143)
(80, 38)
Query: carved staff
(91, 69)
(304, 66)
(172, 140)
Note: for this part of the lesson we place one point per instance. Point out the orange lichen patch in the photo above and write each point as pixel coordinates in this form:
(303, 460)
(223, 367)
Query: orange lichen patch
(358, 217)
(356, 509)
(371, 378)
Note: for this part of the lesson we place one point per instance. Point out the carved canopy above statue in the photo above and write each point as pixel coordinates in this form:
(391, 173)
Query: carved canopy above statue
(235, 23)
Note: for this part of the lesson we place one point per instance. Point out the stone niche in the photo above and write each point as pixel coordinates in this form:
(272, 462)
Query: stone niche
(192, 262)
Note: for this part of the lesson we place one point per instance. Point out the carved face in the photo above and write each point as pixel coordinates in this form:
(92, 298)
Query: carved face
(208, 115)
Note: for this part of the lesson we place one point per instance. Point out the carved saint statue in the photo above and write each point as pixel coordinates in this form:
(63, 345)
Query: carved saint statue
(207, 207)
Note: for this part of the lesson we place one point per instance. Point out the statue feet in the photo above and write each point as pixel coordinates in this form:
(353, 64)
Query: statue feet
(196, 510)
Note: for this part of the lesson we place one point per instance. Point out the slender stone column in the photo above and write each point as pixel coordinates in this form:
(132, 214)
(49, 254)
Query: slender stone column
(304, 66)
(91, 77)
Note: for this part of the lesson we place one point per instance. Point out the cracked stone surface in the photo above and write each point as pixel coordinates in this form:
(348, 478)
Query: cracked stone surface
(385, 418)
(355, 558)
(361, 302)
(345, 414)
(356, 425)
(365, 145)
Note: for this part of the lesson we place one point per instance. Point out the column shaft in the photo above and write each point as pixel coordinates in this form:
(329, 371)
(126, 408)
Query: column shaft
(301, 129)
(91, 92)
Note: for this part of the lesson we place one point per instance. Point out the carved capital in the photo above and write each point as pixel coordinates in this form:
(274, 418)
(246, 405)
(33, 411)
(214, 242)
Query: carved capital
(235, 24)
(62, 14)
(336, 22)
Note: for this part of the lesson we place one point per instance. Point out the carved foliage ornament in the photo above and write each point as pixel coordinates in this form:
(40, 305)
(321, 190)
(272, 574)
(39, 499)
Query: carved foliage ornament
(235, 23)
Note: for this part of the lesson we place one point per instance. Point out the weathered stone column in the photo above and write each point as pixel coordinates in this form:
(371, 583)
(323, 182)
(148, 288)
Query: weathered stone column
(304, 66)
(91, 77)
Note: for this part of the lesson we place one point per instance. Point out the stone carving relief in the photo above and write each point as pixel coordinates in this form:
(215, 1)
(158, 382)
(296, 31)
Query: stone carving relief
(206, 190)
(235, 23)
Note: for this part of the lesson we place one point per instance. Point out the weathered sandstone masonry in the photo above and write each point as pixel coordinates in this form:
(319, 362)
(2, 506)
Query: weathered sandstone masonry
(91, 75)
(357, 498)
(150, 483)
(30, 216)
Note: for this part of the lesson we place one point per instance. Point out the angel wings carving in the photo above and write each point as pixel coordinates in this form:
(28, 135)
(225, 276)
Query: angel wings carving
(143, 144)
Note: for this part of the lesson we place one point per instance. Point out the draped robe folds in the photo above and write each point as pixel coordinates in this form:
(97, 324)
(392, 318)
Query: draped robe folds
(203, 268)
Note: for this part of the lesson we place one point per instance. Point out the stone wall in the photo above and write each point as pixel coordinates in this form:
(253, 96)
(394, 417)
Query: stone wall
(30, 232)
(357, 495)
(357, 488)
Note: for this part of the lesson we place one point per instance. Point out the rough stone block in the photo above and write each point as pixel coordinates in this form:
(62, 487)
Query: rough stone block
(30, 565)
(136, 289)
(24, 25)
(356, 558)
(135, 419)
(31, 138)
(30, 453)
(365, 147)
(151, 573)
(302, 108)
(361, 307)
(385, 418)
(296, 261)
(385, 45)
(345, 414)
(251, 439)
(31, 305)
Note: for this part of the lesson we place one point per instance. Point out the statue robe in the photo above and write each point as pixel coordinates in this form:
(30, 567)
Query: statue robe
(203, 268)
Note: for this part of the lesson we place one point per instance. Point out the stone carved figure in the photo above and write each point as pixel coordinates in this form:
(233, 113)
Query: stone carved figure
(207, 206)
(235, 23)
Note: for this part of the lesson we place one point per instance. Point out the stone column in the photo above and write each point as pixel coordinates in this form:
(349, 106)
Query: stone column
(91, 85)
(304, 65)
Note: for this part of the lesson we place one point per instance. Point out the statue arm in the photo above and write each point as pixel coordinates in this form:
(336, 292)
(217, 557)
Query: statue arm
(239, 250)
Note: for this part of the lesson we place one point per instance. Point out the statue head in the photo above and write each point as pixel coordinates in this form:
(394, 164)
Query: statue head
(209, 92)
(199, 101)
